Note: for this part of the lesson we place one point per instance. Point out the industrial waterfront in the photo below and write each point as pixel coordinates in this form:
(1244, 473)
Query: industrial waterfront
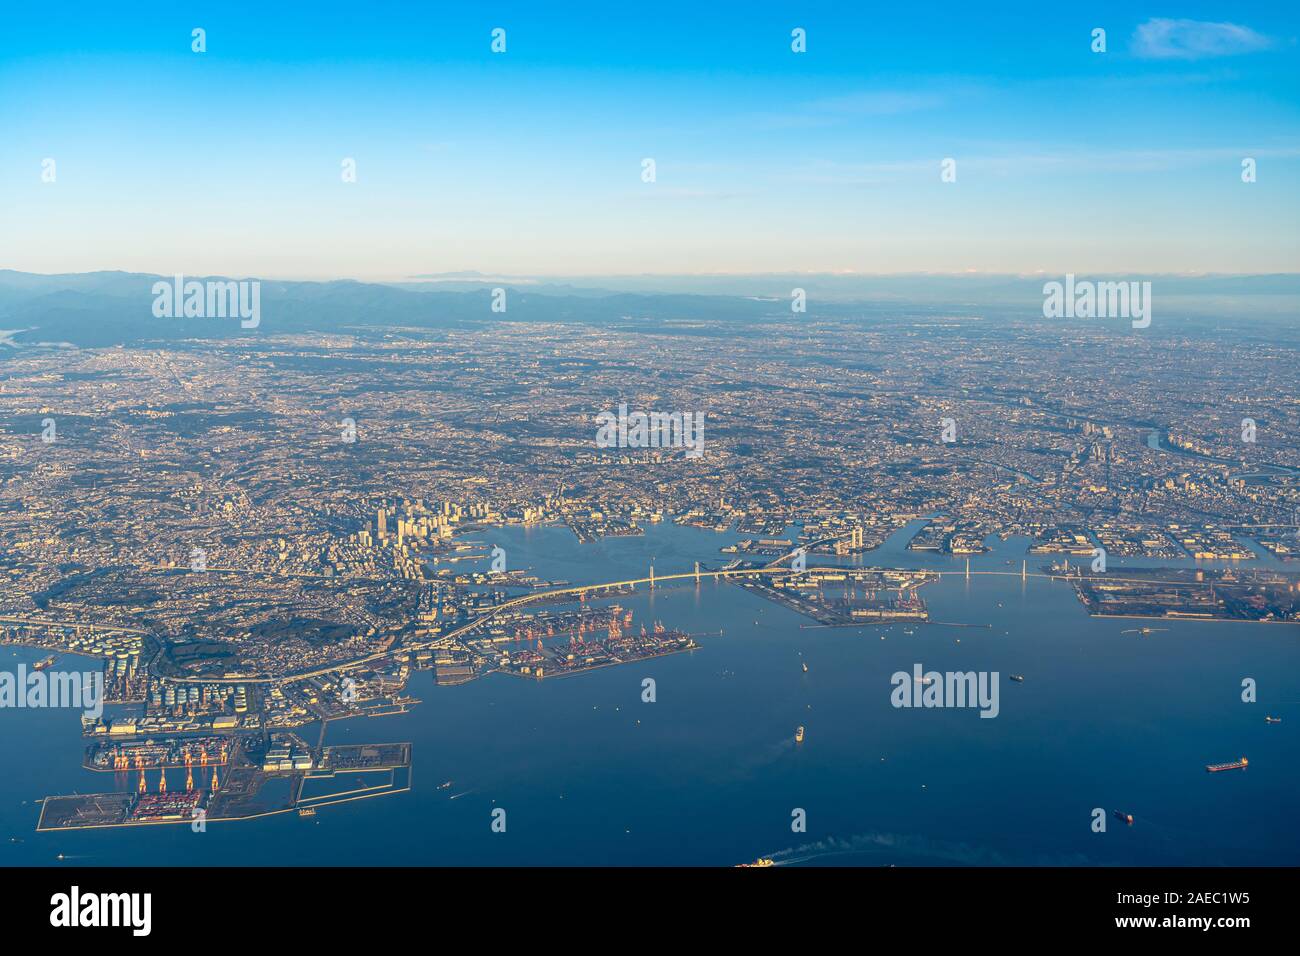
(709, 773)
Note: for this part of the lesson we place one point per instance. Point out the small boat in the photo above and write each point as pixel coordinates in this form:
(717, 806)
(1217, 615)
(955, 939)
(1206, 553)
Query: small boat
(1272, 720)
(1018, 678)
(42, 665)
(307, 812)
(805, 666)
(761, 861)
(1126, 817)
(924, 681)
(1231, 765)
(798, 734)
(446, 785)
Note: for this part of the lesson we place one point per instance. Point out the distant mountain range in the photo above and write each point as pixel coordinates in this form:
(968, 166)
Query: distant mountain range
(109, 308)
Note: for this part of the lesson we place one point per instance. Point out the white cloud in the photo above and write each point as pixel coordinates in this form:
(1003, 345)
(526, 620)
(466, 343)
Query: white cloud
(1159, 38)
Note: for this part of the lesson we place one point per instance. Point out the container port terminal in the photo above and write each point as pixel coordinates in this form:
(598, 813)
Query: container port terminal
(247, 776)
(849, 597)
(575, 657)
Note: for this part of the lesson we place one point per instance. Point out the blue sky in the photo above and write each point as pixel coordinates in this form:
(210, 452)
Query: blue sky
(529, 162)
